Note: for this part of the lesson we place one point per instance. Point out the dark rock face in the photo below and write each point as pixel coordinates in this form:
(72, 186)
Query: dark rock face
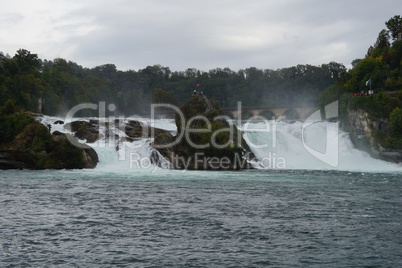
(206, 143)
(17, 160)
(135, 129)
(362, 133)
(36, 148)
(88, 131)
(70, 154)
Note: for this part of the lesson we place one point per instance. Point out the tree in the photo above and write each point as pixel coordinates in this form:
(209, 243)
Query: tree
(9, 107)
(355, 62)
(161, 96)
(395, 120)
(394, 26)
(381, 46)
(27, 61)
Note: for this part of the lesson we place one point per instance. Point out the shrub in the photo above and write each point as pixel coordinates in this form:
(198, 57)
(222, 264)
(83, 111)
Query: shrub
(11, 125)
(395, 120)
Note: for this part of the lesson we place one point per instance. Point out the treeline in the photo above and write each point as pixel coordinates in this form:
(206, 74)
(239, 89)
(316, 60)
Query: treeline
(380, 73)
(380, 70)
(55, 86)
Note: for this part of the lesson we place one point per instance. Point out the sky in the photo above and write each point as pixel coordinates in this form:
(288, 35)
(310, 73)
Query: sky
(201, 34)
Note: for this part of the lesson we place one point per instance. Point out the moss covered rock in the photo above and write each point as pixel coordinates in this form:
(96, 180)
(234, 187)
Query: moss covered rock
(84, 130)
(204, 140)
(35, 148)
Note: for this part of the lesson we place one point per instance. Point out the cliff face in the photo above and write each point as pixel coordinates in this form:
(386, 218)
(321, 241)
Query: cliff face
(364, 129)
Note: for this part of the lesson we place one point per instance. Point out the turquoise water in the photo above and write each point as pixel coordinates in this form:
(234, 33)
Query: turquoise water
(290, 218)
(305, 213)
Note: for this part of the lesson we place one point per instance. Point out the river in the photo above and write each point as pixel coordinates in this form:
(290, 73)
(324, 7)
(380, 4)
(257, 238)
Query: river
(304, 213)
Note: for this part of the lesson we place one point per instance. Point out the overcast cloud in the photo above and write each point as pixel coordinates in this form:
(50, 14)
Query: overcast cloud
(202, 34)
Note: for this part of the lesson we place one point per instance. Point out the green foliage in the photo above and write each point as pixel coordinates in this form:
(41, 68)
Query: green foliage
(42, 139)
(161, 96)
(394, 140)
(395, 121)
(368, 68)
(26, 61)
(63, 84)
(64, 155)
(378, 105)
(216, 136)
(329, 95)
(9, 107)
(12, 124)
(394, 26)
(382, 64)
(381, 46)
(70, 154)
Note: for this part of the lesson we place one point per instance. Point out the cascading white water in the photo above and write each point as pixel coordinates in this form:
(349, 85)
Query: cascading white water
(276, 144)
(115, 152)
(288, 145)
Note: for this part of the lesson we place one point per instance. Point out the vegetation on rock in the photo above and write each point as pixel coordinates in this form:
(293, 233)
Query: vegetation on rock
(374, 85)
(26, 143)
(204, 139)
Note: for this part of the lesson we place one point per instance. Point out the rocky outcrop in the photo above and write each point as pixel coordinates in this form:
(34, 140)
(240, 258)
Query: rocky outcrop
(36, 148)
(84, 130)
(363, 131)
(136, 129)
(90, 131)
(203, 143)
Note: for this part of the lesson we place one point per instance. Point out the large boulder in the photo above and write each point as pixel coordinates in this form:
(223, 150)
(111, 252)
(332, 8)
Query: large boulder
(137, 129)
(84, 130)
(90, 130)
(35, 148)
(364, 131)
(204, 140)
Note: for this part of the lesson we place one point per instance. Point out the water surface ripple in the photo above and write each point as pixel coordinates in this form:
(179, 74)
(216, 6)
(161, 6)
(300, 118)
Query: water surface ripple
(200, 219)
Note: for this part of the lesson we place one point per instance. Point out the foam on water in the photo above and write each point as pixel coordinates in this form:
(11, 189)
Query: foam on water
(284, 141)
(279, 144)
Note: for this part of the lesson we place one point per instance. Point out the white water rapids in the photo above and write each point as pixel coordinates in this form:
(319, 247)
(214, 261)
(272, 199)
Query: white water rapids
(277, 145)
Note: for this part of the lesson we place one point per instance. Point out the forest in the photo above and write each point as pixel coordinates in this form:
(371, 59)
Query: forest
(53, 87)
(63, 84)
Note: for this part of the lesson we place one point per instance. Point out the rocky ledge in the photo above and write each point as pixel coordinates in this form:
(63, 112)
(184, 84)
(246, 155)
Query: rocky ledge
(363, 130)
(35, 148)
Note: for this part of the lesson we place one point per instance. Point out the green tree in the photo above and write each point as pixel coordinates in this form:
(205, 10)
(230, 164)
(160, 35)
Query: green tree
(161, 96)
(27, 61)
(9, 107)
(394, 26)
(395, 120)
(381, 46)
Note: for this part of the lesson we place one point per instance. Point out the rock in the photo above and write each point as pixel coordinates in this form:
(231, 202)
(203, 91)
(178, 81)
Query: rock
(17, 160)
(362, 131)
(68, 153)
(59, 122)
(84, 130)
(136, 129)
(158, 160)
(35, 148)
(203, 143)
(391, 156)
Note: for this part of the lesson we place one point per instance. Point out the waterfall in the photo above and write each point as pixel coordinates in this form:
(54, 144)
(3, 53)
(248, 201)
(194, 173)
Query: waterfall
(116, 152)
(288, 145)
(276, 145)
